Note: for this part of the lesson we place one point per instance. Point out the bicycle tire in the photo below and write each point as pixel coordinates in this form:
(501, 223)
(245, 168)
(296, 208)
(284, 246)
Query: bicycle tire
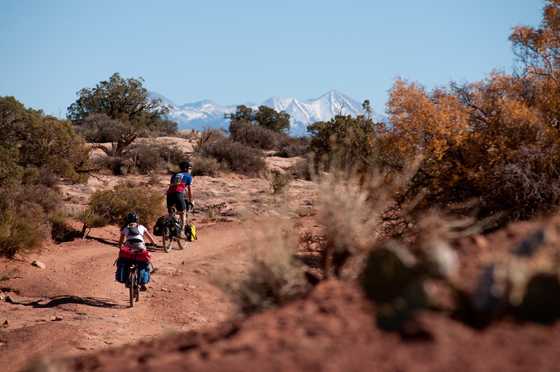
(180, 244)
(132, 285)
(165, 238)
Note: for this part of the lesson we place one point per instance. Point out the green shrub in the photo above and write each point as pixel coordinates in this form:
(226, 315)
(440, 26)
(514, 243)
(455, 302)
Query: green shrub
(18, 235)
(240, 158)
(115, 204)
(61, 231)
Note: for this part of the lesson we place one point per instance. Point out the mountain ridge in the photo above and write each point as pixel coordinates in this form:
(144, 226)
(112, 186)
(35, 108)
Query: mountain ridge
(207, 112)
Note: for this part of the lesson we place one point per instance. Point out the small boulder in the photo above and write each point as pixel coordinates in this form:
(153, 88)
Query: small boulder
(39, 264)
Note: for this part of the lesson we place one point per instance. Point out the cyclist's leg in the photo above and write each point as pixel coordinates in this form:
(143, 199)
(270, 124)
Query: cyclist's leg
(182, 219)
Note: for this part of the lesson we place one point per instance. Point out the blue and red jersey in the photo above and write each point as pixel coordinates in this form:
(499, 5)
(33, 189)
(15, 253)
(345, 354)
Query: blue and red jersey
(179, 181)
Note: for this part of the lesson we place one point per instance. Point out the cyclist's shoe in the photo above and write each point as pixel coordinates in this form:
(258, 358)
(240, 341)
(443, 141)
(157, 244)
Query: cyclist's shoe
(183, 235)
(143, 288)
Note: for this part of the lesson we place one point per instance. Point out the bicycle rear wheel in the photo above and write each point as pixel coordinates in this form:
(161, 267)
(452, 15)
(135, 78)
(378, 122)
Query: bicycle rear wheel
(182, 243)
(133, 285)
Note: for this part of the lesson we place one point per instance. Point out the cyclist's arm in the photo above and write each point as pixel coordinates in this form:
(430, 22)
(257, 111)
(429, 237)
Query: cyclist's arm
(150, 237)
(189, 193)
(121, 241)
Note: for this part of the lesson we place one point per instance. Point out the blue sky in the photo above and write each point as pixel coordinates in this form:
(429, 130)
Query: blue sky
(248, 51)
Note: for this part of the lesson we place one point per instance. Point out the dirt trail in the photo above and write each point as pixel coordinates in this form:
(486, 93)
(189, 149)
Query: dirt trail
(75, 304)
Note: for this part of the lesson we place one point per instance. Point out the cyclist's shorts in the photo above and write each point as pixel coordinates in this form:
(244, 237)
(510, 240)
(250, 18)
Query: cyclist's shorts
(176, 199)
(139, 246)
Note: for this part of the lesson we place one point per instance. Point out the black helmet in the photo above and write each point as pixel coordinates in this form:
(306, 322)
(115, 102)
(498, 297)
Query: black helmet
(185, 165)
(132, 217)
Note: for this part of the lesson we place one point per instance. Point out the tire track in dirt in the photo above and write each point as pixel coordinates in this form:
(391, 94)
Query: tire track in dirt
(75, 304)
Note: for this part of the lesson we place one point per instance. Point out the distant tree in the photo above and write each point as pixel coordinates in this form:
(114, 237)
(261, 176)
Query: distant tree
(242, 113)
(269, 118)
(344, 140)
(265, 117)
(127, 101)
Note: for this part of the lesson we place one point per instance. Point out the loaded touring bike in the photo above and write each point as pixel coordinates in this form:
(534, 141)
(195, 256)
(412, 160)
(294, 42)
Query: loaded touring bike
(169, 228)
(133, 269)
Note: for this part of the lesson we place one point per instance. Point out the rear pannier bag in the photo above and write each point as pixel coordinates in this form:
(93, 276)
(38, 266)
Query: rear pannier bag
(144, 275)
(190, 232)
(174, 226)
(160, 224)
(122, 272)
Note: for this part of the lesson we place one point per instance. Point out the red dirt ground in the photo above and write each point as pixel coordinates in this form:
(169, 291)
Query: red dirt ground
(74, 316)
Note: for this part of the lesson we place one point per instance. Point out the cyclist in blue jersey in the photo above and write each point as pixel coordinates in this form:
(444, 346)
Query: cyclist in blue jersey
(179, 182)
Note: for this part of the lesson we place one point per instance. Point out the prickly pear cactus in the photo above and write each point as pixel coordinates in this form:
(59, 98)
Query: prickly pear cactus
(390, 281)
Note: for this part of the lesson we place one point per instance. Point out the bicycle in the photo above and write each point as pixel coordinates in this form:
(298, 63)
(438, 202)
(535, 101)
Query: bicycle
(132, 284)
(169, 234)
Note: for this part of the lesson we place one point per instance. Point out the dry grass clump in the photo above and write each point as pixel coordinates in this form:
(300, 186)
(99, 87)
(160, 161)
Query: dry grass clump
(280, 182)
(351, 211)
(301, 169)
(208, 166)
(274, 276)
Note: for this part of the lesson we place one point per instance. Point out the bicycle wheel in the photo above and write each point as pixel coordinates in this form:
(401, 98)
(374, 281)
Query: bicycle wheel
(166, 240)
(182, 243)
(132, 285)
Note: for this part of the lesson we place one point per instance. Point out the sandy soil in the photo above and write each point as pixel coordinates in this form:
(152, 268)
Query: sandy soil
(75, 313)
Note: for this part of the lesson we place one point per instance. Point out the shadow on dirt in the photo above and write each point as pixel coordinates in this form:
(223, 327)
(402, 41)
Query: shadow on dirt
(62, 300)
(103, 241)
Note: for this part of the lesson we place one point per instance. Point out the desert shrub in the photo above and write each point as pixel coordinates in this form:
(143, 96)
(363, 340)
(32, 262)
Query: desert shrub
(171, 154)
(290, 147)
(209, 135)
(115, 204)
(481, 142)
(45, 198)
(60, 230)
(98, 127)
(31, 139)
(91, 219)
(208, 166)
(144, 157)
(253, 135)
(18, 235)
(279, 182)
(239, 158)
(344, 141)
(48, 178)
(274, 276)
(189, 134)
(301, 169)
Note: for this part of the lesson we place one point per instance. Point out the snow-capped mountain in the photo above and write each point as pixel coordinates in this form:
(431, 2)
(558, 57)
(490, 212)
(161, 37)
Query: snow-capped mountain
(302, 113)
